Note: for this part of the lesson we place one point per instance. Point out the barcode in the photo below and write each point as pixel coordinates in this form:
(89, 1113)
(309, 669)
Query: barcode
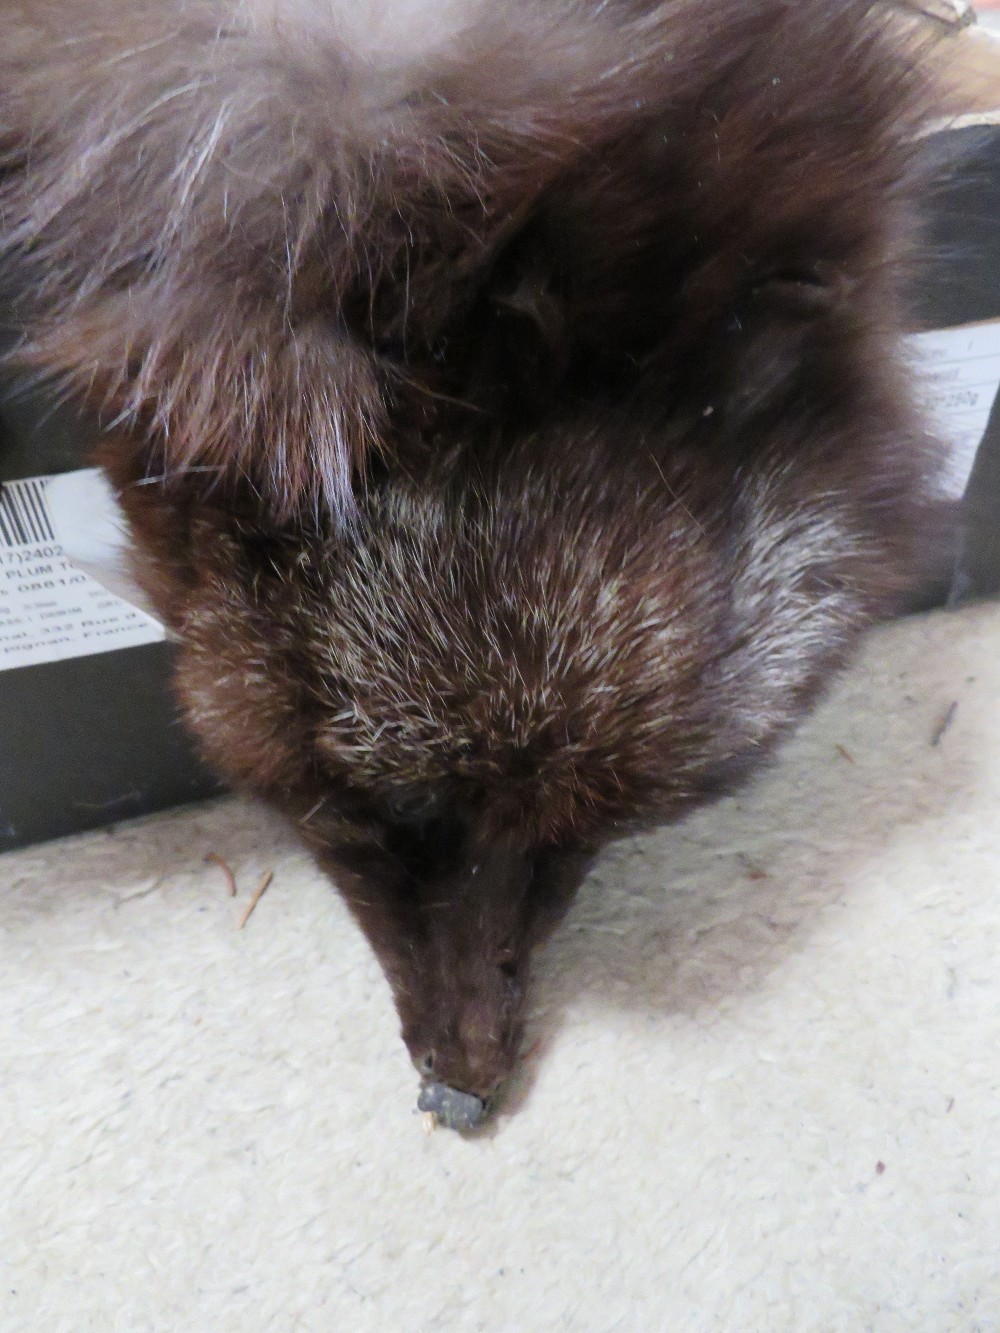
(24, 517)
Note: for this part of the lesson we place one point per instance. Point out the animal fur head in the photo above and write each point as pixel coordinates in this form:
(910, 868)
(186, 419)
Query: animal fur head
(509, 661)
(508, 413)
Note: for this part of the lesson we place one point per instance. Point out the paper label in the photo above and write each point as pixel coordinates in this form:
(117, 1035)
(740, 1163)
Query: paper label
(51, 610)
(959, 370)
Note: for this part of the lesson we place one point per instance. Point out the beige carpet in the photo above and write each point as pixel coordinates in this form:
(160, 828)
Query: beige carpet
(766, 1094)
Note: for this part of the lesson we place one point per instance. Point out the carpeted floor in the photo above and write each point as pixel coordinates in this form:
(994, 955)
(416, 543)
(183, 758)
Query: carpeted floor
(766, 1094)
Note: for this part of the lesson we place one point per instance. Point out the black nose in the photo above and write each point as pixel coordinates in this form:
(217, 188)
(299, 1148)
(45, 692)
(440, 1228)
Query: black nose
(454, 1109)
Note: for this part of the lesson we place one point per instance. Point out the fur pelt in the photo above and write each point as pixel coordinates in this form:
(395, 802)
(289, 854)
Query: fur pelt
(508, 408)
(284, 236)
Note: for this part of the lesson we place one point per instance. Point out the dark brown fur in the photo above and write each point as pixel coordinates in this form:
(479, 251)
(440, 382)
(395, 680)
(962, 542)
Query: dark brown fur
(516, 436)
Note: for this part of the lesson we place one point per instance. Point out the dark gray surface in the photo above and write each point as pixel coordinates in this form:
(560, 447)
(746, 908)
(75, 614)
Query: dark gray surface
(959, 283)
(958, 280)
(89, 741)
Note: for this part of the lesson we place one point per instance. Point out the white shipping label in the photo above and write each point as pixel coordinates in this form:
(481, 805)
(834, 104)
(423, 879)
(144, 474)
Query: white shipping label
(49, 609)
(960, 371)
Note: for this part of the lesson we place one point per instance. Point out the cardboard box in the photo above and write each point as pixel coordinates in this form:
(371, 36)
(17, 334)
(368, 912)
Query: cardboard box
(88, 729)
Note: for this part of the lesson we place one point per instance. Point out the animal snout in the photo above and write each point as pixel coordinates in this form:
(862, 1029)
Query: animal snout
(469, 1069)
